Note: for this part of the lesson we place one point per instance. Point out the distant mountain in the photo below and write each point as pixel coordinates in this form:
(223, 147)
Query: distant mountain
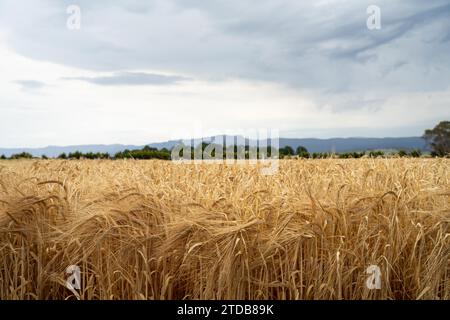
(330, 145)
(356, 144)
(54, 151)
(313, 145)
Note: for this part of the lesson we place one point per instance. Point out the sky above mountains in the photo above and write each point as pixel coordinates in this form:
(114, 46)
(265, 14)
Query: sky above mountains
(140, 71)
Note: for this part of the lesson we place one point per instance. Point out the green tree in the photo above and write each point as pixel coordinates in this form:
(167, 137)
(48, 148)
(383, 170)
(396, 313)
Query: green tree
(143, 154)
(416, 153)
(23, 155)
(287, 151)
(62, 156)
(75, 155)
(302, 152)
(148, 148)
(2, 157)
(374, 154)
(402, 153)
(438, 139)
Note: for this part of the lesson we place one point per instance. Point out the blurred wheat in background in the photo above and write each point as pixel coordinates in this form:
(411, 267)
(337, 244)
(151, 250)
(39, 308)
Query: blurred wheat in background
(157, 230)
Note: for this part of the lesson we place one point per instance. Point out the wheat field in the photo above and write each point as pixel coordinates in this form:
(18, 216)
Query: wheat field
(158, 230)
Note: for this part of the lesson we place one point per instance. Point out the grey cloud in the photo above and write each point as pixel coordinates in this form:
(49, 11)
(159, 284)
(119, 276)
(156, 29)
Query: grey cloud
(132, 79)
(394, 29)
(30, 84)
(301, 44)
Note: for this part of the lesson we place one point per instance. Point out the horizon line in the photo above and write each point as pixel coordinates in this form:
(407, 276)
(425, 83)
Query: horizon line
(207, 137)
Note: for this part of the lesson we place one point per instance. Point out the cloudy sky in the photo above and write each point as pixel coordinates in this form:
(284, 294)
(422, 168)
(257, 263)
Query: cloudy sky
(144, 71)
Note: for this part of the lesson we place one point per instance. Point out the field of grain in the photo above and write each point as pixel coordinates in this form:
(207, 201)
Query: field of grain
(157, 230)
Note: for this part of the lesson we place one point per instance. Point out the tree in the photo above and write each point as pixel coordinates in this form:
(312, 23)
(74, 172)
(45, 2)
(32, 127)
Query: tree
(23, 155)
(379, 153)
(287, 151)
(439, 139)
(75, 155)
(402, 153)
(2, 157)
(302, 152)
(62, 156)
(44, 157)
(148, 148)
(416, 153)
(105, 155)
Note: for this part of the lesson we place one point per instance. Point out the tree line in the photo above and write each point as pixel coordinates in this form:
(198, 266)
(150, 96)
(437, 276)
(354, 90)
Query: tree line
(438, 140)
(240, 152)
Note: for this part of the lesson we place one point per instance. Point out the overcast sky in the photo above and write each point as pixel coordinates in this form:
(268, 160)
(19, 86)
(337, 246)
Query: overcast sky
(142, 71)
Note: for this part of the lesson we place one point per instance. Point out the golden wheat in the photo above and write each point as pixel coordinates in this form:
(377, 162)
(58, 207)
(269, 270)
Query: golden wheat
(157, 230)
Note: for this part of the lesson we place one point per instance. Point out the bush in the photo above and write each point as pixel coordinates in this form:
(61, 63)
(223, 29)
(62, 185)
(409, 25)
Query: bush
(375, 154)
(23, 155)
(302, 152)
(75, 155)
(402, 153)
(286, 151)
(144, 154)
(416, 153)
